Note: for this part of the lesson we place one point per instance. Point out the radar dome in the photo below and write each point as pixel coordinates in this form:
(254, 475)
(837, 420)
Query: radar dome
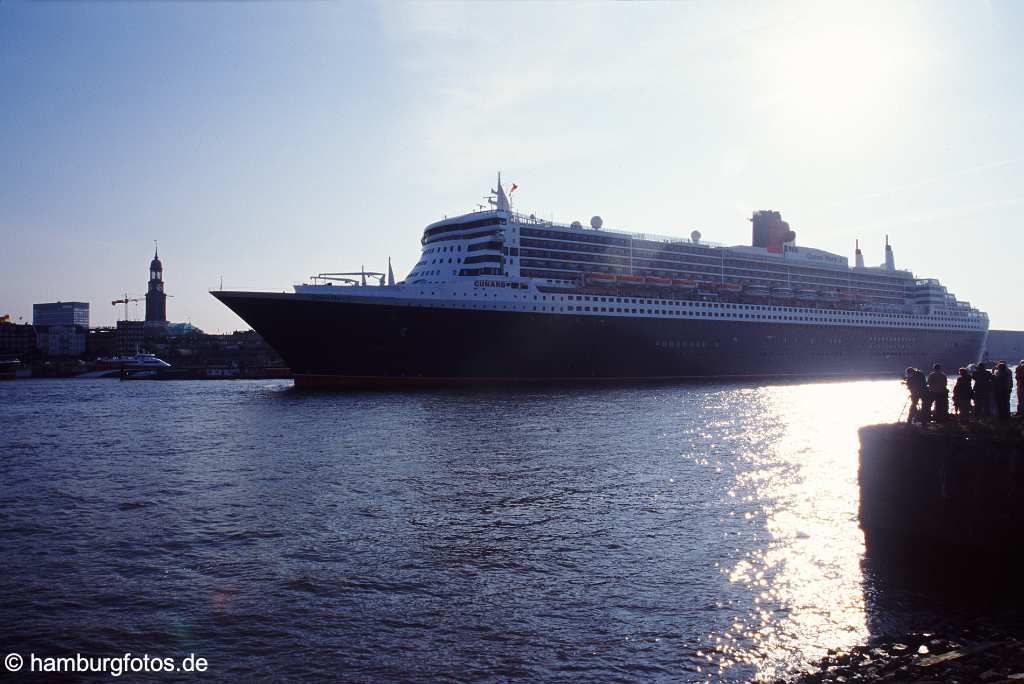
(695, 236)
(575, 224)
(596, 223)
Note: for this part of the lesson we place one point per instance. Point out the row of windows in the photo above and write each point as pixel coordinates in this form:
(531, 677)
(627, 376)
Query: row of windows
(484, 258)
(451, 227)
(770, 313)
(469, 236)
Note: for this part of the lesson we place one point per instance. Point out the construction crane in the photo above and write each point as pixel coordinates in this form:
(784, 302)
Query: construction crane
(125, 300)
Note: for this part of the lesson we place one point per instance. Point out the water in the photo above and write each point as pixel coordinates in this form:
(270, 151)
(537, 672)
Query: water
(640, 533)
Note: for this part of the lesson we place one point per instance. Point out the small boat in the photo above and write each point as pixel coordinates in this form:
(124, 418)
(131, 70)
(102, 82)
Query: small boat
(600, 279)
(782, 292)
(630, 279)
(684, 284)
(755, 291)
(9, 368)
(806, 293)
(658, 282)
(730, 288)
(138, 362)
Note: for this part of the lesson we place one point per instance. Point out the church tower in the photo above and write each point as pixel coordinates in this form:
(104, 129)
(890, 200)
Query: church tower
(156, 300)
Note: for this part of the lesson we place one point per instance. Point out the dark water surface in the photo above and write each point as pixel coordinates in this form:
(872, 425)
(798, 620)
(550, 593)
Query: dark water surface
(618, 534)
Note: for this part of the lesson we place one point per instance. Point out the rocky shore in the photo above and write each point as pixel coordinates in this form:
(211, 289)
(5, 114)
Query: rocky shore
(991, 657)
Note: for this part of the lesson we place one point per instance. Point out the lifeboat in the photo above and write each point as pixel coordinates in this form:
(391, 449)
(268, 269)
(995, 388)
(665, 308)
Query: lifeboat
(685, 284)
(755, 291)
(658, 282)
(630, 279)
(706, 287)
(600, 279)
(730, 288)
(807, 293)
(782, 292)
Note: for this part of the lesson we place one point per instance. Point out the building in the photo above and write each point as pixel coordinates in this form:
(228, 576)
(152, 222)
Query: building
(17, 340)
(1004, 345)
(61, 313)
(61, 340)
(156, 299)
(130, 337)
(101, 342)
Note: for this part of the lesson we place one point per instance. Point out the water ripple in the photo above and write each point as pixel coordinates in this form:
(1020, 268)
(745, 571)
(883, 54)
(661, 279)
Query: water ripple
(665, 533)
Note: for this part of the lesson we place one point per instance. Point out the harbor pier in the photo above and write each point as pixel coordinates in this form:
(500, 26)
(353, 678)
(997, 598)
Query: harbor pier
(946, 497)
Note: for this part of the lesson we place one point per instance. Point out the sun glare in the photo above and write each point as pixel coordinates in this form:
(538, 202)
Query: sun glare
(808, 581)
(834, 74)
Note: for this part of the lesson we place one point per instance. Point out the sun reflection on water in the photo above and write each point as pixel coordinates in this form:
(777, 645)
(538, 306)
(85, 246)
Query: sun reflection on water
(799, 484)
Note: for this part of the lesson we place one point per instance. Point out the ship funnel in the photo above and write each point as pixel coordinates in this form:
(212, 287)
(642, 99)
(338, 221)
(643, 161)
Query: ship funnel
(858, 255)
(890, 261)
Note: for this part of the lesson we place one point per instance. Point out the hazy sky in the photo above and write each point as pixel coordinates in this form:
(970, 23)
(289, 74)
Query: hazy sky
(267, 142)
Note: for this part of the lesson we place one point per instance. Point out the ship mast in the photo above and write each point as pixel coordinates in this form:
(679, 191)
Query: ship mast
(501, 204)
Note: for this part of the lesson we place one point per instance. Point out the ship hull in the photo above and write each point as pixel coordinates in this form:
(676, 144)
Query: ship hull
(344, 342)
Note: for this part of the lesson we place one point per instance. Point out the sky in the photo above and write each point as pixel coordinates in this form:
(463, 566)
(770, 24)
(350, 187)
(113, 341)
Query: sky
(262, 143)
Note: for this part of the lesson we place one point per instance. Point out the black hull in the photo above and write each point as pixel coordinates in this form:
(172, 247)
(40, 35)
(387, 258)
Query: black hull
(345, 342)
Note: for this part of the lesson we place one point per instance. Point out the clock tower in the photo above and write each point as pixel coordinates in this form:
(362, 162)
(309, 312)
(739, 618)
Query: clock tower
(156, 299)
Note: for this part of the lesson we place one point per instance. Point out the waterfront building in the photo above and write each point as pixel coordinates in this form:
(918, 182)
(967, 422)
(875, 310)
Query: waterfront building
(130, 337)
(101, 342)
(156, 298)
(61, 340)
(61, 313)
(1007, 345)
(17, 340)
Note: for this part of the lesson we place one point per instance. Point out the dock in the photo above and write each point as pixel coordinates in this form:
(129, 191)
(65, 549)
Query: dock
(949, 492)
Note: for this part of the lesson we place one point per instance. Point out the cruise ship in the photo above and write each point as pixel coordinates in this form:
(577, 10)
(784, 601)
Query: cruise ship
(501, 296)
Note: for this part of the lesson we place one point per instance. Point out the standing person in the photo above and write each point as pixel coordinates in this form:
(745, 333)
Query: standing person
(962, 394)
(915, 382)
(1002, 389)
(982, 392)
(1019, 372)
(938, 394)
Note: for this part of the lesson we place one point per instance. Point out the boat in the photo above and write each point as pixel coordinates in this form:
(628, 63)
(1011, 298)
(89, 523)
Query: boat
(658, 281)
(135, 362)
(807, 294)
(501, 296)
(730, 288)
(755, 291)
(9, 368)
(782, 292)
(600, 279)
